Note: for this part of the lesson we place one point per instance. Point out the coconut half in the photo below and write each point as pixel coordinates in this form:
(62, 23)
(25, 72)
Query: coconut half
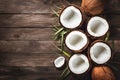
(97, 26)
(78, 64)
(100, 52)
(71, 17)
(76, 41)
(59, 62)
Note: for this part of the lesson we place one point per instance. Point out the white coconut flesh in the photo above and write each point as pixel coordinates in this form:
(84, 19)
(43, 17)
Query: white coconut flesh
(97, 26)
(71, 17)
(59, 62)
(78, 64)
(100, 52)
(76, 40)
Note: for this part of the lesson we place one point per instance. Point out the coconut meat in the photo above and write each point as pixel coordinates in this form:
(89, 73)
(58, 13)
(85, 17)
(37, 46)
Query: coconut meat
(59, 62)
(100, 52)
(71, 17)
(76, 40)
(78, 63)
(97, 26)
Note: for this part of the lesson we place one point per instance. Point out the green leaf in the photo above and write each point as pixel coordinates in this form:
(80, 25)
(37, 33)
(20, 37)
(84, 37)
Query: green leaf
(55, 27)
(65, 53)
(57, 37)
(54, 30)
(65, 73)
(58, 54)
(58, 31)
(107, 37)
(55, 12)
(58, 7)
(62, 40)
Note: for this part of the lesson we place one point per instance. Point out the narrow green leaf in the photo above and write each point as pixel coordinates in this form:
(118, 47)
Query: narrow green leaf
(58, 7)
(62, 38)
(57, 37)
(65, 73)
(59, 31)
(107, 37)
(55, 12)
(65, 32)
(54, 30)
(58, 54)
(55, 27)
(65, 53)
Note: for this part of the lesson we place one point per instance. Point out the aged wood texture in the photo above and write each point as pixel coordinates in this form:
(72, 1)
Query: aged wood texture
(27, 49)
(20, 34)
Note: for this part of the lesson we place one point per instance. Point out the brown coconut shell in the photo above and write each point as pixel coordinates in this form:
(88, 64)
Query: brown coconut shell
(81, 50)
(83, 74)
(102, 73)
(83, 16)
(92, 45)
(95, 37)
(93, 7)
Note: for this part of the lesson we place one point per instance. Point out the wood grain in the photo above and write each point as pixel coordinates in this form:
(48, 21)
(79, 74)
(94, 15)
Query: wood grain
(24, 34)
(26, 20)
(41, 34)
(18, 53)
(38, 20)
(27, 59)
(25, 6)
(28, 46)
(28, 73)
(35, 46)
(38, 6)
(27, 50)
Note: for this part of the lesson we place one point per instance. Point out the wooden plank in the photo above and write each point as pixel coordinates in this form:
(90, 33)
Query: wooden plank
(43, 6)
(38, 20)
(28, 73)
(13, 54)
(36, 46)
(42, 34)
(23, 34)
(25, 6)
(30, 6)
(27, 59)
(113, 20)
(28, 46)
(115, 45)
(112, 7)
(41, 72)
(114, 33)
(26, 20)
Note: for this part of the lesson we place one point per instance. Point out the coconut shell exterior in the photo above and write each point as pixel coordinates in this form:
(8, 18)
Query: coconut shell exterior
(102, 73)
(93, 7)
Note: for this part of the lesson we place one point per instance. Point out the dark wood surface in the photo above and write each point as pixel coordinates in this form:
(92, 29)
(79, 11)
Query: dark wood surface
(27, 48)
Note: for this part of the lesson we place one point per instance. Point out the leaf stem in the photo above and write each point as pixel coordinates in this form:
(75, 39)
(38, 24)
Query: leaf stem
(55, 12)
(107, 37)
(65, 53)
(65, 73)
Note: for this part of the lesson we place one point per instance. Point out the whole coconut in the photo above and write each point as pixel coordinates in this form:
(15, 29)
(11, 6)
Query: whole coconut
(102, 73)
(93, 7)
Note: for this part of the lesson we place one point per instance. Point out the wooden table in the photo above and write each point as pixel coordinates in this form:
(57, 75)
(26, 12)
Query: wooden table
(27, 49)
